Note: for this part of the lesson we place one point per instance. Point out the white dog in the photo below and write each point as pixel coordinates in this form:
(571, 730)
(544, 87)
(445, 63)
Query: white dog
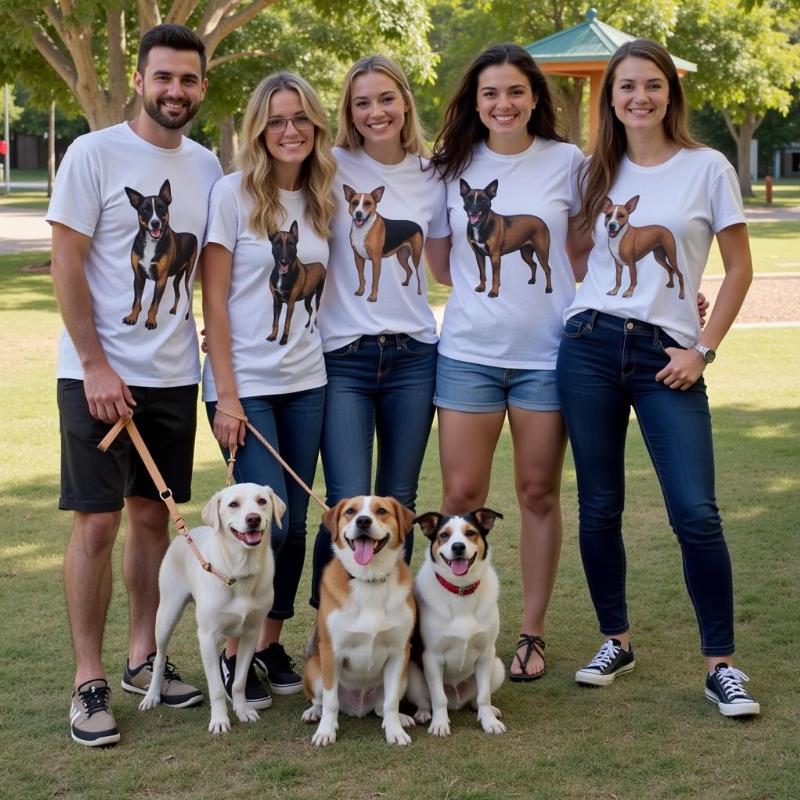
(364, 622)
(456, 590)
(238, 544)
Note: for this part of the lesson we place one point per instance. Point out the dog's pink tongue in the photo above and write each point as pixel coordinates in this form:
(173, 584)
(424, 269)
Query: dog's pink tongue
(156, 233)
(364, 550)
(459, 566)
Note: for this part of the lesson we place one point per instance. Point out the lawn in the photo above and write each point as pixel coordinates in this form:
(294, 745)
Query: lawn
(651, 736)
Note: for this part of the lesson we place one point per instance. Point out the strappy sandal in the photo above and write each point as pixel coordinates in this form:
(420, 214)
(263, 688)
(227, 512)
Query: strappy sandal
(530, 643)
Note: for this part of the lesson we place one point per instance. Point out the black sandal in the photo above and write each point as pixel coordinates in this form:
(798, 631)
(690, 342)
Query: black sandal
(530, 643)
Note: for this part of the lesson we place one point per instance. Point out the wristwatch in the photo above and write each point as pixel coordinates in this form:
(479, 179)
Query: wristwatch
(708, 354)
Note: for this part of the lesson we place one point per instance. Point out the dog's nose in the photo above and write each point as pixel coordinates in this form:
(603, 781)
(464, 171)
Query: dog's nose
(458, 548)
(253, 520)
(363, 521)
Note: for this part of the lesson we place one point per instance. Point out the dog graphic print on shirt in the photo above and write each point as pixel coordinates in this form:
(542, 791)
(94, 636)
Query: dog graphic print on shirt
(292, 280)
(629, 245)
(158, 254)
(374, 237)
(496, 235)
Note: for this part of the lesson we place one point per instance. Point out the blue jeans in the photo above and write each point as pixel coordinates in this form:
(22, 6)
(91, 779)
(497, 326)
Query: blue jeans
(606, 365)
(292, 424)
(378, 387)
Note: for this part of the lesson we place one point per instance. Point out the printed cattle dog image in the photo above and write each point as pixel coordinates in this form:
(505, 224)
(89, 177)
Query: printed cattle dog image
(374, 237)
(628, 245)
(292, 280)
(495, 235)
(158, 254)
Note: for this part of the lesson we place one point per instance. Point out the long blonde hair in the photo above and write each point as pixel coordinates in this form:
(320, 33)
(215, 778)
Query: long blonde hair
(600, 171)
(412, 137)
(253, 159)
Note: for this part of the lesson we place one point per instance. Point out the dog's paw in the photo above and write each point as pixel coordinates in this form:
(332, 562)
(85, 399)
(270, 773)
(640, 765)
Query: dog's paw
(406, 721)
(150, 701)
(219, 725)
(245, 714)
(372, 298)
(396, 735)
(491, 724)
(324, 735)
(440, 726)
(423, 716)
(272, 337)
(312, 715)
(493, 293)
(358, 292)
(496, 711)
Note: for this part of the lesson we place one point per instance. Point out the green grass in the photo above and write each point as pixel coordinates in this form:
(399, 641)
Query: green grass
(785, 192)
(652, 736)
(775, 247)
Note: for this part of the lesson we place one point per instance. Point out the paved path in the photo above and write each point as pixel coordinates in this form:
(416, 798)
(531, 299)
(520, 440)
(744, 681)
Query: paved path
(23, 230)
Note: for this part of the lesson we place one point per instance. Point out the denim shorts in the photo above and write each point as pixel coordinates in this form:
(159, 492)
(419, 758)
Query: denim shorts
(463, 386)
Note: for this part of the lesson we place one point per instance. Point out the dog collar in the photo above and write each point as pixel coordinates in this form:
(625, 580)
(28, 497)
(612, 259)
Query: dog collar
(368, 580)
(461, 591)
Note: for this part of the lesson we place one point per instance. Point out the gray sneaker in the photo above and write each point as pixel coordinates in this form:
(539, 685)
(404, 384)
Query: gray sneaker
(175, 692)
(91, 721)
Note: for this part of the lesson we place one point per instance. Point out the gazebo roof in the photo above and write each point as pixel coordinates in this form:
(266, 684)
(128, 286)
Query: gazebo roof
(590, 41)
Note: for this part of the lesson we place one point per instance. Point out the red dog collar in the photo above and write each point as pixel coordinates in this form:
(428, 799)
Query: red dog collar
(461, 591)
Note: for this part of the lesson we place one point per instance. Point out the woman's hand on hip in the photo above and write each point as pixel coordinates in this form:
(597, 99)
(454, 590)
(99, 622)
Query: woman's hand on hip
(683, 370)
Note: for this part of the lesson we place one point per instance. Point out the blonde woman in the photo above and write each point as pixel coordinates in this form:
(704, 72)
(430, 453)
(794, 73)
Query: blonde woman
(263, 271)
(378, 331)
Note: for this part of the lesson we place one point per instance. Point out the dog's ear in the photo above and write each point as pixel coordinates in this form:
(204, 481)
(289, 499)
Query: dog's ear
(330, 519)
(464, 188)
(404, 517)
(427, 523)
(165, 192)
(349, 191)
(278, 506)
(134, 196)
(210, 513)
(273, 236)
(486, 517)
(293, 229)
(491, 189)
(377, 194)
(607, 205)
(630, 206)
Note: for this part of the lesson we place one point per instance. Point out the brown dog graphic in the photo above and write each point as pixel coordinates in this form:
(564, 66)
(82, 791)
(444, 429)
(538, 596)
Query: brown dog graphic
(292, 280)
(496, 235)
(628, 245)
(374, 237)
(158, 254)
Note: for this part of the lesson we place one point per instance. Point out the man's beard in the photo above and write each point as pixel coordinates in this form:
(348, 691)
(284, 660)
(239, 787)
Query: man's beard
(166, 121)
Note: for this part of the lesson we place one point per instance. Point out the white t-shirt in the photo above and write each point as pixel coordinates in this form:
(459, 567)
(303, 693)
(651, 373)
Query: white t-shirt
(514, 205)
(265, 367)
(681, 204)
(411, 207)
(145, 204)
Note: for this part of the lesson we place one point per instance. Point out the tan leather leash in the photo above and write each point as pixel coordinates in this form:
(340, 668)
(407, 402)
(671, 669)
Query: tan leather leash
(164, 492)
(275, 454)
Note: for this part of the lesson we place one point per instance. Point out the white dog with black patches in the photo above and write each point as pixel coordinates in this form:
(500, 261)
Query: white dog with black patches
(365, 619)
(236, 542)
(457, 590)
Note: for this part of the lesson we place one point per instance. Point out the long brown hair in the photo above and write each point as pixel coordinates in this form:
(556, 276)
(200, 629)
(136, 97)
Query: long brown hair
(600, 171)
(463, 129)
(412, 137)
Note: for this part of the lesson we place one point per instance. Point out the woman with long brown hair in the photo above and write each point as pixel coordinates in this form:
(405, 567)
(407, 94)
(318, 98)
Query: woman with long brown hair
(654, 198)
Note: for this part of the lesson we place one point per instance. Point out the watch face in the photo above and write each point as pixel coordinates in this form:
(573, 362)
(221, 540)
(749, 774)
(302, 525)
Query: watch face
(709, 356)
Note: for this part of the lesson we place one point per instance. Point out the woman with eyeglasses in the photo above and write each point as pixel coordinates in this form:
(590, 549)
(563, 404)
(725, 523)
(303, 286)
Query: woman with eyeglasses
(263, 270)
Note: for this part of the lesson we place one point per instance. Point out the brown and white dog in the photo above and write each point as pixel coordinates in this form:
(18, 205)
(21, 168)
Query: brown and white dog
(365, 619)
(628, 245)
(495, 235)
(374, 237)
(456, 590)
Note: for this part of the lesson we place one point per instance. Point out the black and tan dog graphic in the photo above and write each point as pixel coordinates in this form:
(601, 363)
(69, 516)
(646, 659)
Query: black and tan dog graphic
(628, 245)
(495, 235)
(292, 280)
(158, 254)
(374, 237)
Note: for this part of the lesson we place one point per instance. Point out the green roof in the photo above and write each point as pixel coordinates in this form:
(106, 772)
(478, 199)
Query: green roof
(592, 40)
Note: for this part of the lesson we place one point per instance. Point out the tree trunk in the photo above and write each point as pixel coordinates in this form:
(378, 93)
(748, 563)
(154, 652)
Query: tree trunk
(228, 144)
(51, 148)
(572, 99)
(743, 136)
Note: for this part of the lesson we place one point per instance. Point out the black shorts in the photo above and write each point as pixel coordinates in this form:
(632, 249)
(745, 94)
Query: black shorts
(93, 481)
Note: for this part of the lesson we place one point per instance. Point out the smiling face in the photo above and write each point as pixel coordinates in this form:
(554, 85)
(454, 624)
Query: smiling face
(639, 95)
(289, 135)
(243, 512)
(378, 111)
(505, 102)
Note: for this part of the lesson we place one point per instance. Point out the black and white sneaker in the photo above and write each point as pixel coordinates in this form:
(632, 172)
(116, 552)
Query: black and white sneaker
(611, 660)
(255, 693)
(279, 669)
(724, 687)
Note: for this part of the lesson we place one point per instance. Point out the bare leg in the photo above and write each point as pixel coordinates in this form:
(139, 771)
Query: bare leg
(87, 584)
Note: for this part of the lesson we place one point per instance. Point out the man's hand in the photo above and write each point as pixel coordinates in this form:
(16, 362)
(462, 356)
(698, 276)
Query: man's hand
(108, 396)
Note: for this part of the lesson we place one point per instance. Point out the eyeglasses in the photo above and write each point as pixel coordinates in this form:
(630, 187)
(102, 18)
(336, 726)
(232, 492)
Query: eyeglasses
(278, 124)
